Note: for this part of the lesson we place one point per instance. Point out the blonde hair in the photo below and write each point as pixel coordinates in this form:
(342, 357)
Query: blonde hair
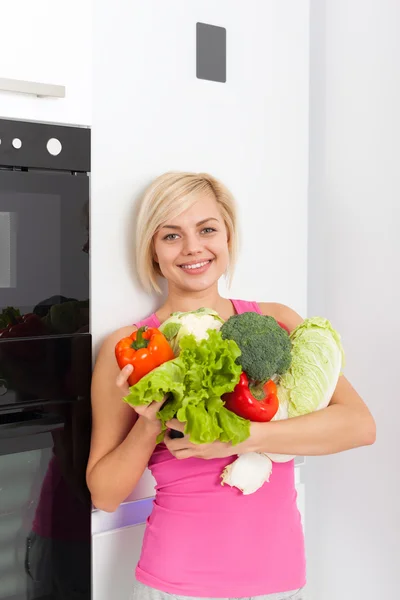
(167, 197)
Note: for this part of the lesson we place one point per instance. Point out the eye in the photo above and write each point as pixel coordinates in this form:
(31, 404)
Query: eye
(208, 230)
(170, 237)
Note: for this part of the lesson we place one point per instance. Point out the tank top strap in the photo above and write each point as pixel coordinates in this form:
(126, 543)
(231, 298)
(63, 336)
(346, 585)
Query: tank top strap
(242, 306)
(151, 321)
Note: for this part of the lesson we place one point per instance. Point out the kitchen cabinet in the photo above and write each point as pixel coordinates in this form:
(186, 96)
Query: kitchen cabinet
(47, 42)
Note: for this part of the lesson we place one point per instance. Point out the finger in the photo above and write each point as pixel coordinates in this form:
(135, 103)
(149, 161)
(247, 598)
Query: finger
(148, 410)
(176, 425)
(159, 404)
(184, 453)
(175, 445)
(123, 375)
(153, 408)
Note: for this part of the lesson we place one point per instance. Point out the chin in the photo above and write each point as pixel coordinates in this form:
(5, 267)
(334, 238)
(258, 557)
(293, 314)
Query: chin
(199, 284)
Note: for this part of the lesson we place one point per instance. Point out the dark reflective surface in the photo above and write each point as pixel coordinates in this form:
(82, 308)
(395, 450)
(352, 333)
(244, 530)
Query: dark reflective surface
(39, 370)
(45, 509)
(44, 260)
(45, 363)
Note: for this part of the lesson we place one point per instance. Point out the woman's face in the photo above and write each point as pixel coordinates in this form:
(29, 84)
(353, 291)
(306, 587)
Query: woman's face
(192, 249)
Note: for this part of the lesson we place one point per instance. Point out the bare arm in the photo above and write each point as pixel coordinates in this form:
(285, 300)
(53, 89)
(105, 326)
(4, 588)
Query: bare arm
(346, 423)
(122, 442)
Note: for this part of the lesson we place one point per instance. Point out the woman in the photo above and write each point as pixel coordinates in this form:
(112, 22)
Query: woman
(204, 540)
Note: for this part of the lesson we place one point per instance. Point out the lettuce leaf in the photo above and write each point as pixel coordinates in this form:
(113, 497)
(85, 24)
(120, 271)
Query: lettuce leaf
(195, 382)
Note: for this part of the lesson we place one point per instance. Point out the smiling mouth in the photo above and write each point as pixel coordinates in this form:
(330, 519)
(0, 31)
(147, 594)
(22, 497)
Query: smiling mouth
(195, 266)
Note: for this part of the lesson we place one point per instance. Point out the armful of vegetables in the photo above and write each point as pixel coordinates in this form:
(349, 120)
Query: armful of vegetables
(220, 376)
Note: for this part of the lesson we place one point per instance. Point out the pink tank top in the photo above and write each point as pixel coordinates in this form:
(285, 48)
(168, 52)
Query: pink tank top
(207, 540)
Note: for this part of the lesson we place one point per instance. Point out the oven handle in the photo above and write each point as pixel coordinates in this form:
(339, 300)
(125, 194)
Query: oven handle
(34, 434)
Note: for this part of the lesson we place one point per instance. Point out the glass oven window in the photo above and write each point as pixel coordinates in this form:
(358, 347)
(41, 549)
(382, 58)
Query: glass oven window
(44, 254)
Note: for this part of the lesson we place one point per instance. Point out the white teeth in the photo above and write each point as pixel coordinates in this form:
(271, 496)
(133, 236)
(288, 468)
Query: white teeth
(196, 266)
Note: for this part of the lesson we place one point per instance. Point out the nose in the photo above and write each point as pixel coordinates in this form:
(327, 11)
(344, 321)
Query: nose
(192, 245)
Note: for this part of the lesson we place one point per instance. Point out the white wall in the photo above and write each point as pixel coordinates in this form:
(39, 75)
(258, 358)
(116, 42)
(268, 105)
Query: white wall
(353, 517)
(151, 115)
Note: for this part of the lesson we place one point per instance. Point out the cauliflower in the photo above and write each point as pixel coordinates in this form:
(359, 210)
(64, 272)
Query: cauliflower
(197, 323)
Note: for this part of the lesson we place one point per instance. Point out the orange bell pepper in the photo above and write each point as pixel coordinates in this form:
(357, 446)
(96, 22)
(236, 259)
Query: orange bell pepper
(145, 349)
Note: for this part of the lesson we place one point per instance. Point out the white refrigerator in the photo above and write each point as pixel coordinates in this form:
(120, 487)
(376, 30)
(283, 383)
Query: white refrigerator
(208, 86)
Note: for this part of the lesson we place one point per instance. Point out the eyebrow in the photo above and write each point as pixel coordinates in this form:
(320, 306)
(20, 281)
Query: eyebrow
(197, 224)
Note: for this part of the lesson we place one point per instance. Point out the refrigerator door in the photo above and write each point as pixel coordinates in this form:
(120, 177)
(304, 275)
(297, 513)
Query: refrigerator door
(246, 123)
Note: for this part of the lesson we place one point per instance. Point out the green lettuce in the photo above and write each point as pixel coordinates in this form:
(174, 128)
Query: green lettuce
(317, 361)
(195, 382)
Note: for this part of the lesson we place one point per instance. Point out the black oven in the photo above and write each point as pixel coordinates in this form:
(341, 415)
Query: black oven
(45, 362)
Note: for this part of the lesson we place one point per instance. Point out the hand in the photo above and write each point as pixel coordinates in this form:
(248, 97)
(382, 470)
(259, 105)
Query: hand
(148, 413)
(183, 448)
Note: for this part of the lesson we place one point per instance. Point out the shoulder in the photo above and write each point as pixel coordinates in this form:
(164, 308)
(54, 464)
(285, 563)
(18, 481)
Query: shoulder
(122, 332)
(113, 338)
(282, 313)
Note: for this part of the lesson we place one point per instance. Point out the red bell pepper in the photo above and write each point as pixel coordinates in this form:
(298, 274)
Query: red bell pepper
(258, 403)
(25, 326)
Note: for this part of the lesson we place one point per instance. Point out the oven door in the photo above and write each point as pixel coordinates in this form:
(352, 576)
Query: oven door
(44, 228)
(45, 509)
(44, 503)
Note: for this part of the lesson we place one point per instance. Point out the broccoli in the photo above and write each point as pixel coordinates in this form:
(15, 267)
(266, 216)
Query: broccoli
(265, 345)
